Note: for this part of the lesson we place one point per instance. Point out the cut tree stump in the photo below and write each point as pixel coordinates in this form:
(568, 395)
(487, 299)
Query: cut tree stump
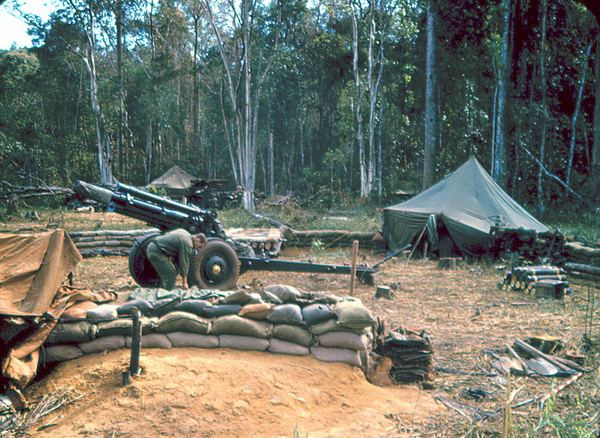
(448, 263)
(384, 292)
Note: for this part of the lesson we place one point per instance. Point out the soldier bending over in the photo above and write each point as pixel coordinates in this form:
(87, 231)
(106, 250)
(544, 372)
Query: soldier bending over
(176, 245)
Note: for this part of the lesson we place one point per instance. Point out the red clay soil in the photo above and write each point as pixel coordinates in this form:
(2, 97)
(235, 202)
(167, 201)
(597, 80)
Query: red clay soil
(225, 393)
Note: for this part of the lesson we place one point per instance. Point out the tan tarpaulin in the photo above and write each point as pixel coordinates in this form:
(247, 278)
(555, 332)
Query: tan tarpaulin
(174, 178)
(32, 271)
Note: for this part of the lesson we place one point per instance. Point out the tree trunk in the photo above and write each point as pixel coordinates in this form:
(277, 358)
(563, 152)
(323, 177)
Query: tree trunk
(196, 85)
(271, 166)
(544, 110)
(104, 153)
(120, 122)
(373, 90)
(249, 155)
(362, 161)
(596, 150)
(149, 152)
(576, 113)
(379, 159)
(429, 157)
(501, 155)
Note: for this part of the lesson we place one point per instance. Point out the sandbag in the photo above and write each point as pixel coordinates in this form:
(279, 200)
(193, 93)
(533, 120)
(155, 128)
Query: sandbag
(153, 340)
(353, 314)
(241, 297)
(72, 333)
(101, 344)
(194, 340)
(237, 325)
(182, 322)
(58, 353)
(164, 306)
(193, 306)
(343, 340)
(124, 326)
(316, 313)
(285, 347)
(257, 311)
(144, 306)
(104, 312)
(78, 310)
(222, 310)
(286, 314)
(287, 294)
(268, 297)
(293, 333)
(345, 355)
(243, 342)
(331, 325)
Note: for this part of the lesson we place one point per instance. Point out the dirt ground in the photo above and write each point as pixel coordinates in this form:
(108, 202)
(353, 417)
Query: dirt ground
(226, 393)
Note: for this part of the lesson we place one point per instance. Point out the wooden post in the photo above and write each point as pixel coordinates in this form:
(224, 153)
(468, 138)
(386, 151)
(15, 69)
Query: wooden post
(416, 244)
(353, 269)
(136, 342)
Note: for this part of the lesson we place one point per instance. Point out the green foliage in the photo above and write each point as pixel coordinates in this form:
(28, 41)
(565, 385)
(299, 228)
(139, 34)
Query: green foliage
(178, 111)
(586, 227)
(571, 424)
(297, 433)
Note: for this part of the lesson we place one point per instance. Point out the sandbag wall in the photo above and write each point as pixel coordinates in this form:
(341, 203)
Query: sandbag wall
(107, 242)
(335, 239)
(278, 319)
(580, 252)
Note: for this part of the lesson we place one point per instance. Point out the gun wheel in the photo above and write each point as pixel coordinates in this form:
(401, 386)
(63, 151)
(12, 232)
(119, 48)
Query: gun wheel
(140, 267)
(216, 266)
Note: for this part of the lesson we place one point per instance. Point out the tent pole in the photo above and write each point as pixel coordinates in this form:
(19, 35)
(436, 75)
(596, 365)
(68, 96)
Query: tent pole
(416, 244)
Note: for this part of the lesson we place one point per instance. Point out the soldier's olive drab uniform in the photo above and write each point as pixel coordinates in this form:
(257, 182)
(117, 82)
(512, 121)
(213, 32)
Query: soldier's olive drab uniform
(177, 244)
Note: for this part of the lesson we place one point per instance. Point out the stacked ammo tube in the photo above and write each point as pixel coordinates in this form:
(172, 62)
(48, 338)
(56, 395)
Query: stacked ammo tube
(532, 279)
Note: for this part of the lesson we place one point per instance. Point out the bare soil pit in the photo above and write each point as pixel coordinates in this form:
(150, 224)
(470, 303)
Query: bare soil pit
(225, 393)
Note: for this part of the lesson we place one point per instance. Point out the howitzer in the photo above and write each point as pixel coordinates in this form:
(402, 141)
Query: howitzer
(215, 266)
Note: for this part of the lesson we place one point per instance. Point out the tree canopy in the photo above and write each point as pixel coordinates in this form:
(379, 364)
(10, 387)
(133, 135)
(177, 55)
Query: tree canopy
(323, 97)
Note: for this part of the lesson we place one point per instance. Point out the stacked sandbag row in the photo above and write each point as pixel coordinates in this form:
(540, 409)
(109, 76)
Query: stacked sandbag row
(582, 253)
(107, 242)
(279, 319)
(541, 280)
(335, 239)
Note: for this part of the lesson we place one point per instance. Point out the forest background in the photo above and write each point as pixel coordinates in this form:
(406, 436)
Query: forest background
(350, 100)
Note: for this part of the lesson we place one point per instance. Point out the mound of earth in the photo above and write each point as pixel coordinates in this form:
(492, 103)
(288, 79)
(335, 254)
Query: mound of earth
(224, 393)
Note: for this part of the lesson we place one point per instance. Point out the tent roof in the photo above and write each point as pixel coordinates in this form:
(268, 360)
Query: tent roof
(468, 202)
(174, 178)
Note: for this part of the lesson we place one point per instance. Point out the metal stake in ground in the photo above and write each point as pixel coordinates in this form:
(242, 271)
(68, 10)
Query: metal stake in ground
(136, 342)
(353, 268)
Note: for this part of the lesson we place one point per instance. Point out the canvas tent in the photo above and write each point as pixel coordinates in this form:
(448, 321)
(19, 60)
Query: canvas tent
(33, 296)
(464, 207)
(174, 181)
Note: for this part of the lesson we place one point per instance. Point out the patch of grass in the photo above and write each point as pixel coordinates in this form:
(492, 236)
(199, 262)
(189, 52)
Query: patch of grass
(364, 220)
(297, 433)
(587, 229)
(572, 423)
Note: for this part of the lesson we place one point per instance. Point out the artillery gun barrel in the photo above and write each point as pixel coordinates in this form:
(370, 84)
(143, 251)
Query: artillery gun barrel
(153, 214)
(159, 200)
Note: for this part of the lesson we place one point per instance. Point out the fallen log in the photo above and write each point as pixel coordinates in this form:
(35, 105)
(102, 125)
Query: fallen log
(584, 269)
